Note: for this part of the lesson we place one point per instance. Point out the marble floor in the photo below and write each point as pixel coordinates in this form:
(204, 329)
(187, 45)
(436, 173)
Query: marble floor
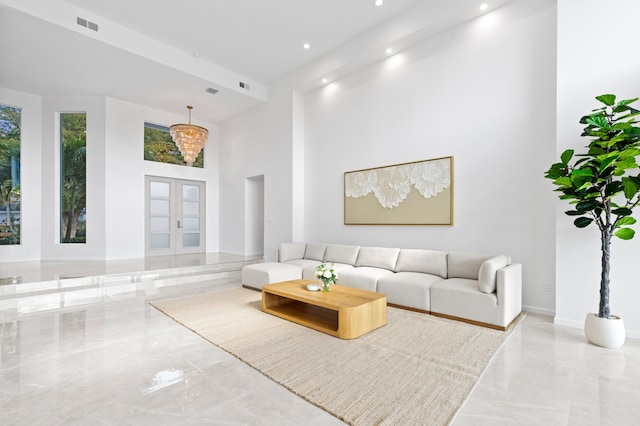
(118, 361)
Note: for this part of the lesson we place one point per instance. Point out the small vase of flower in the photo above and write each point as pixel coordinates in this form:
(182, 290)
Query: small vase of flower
(327, 275)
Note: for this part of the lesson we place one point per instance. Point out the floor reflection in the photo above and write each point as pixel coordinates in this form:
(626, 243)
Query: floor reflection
(96, 352)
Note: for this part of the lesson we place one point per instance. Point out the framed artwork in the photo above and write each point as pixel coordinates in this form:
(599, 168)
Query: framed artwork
(418, 193)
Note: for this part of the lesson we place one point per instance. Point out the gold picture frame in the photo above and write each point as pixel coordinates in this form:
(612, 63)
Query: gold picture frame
(417, 193)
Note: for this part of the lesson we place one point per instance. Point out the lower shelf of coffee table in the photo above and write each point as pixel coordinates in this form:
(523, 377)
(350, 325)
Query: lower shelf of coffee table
(344, 312)
(316, 317)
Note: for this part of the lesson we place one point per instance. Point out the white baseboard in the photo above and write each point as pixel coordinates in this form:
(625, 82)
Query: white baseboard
(568, 322)
(632, 334)
(539, 311)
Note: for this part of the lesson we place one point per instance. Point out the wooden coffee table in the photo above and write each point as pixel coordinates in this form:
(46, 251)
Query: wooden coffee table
(343, 312)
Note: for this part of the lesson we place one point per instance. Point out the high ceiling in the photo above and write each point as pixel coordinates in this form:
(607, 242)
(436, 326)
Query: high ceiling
(166, 53)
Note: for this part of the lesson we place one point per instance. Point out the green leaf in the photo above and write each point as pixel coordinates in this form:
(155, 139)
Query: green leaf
(566, 196)
(563, 181)
(586, 206)
(622, 125)
(622, 211)
(627, 220)
(581, 182)
(581, 222)
(606, 162)
(574, 213)
(598, 121)
(625, 233)
(612, 189)
(626, 102)
(633, 112)
(566, 156)
(582, 172)
(629, 187)
(555, 171)
(607, 99)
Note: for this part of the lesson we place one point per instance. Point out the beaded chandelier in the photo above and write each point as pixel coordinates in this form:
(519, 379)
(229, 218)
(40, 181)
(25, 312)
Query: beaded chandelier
(189, 139)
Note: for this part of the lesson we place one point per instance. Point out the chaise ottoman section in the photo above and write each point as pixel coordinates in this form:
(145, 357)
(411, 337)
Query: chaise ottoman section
(408, 289)
(259, 274)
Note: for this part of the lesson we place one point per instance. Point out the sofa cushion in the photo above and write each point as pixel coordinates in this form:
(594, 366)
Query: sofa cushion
(303, 263)
(364, 277)
(425, 261)
(488, 272)
(339, 253)
(290, 251)
(309, 271)
(378, 257)
(408, 289)
(462, 264)
(315, 251)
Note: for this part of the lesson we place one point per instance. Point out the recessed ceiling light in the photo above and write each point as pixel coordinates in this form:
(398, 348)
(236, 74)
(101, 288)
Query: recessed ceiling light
(484, 6)
(325, 81)
(378, 2)
(306, 46)
(389, 51)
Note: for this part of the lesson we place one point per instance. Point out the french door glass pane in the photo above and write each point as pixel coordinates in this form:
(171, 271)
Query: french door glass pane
(159, 190)
(159, 241)
(159, 207)
(10, 212)
(190, 208)
(73, 177)
(159, 225)
(191, 224)
(190, 240)
(190, 192)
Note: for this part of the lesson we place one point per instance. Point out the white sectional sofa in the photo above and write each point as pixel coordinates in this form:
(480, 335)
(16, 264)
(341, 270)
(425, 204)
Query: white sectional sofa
(480, 288)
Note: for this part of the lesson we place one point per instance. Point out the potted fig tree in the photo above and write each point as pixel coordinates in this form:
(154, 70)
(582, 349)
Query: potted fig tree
(602, 185)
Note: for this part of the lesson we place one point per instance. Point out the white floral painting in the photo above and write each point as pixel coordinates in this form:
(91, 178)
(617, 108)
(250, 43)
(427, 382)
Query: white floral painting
(419, 193)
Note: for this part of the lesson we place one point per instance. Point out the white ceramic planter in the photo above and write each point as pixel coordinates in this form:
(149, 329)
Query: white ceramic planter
(608, 333)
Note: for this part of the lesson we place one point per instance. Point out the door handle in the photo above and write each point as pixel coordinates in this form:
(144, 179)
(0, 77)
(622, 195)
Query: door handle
(179, 225)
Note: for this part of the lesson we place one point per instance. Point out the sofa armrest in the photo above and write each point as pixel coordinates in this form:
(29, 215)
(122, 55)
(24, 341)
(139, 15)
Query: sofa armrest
(509, 291)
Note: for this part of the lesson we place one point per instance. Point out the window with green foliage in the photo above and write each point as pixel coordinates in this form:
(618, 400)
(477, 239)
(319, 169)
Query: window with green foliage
(9, 175)
(158, 146)
(73, 178)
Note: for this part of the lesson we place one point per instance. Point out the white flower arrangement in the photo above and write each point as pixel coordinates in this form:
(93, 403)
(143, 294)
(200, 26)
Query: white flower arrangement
(326, 274)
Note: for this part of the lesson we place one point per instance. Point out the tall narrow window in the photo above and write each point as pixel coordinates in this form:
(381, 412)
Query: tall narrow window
(73, 178)
(158, 146)
(9, 175)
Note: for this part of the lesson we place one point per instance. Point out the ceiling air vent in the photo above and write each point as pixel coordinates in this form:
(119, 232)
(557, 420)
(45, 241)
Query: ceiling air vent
(211, 90)
(87, 24)
(245, 85)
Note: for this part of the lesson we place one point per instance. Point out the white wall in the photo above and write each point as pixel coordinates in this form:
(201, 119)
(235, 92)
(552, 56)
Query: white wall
(30, 159)
(256, 143)
(484, 93)
(595, 57)
(115, 177)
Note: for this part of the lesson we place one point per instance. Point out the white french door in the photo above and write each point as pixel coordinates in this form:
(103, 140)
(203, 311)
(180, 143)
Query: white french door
(175, 216)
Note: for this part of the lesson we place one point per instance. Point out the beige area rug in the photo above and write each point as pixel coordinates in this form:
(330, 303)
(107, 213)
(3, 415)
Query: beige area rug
(417, 369)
